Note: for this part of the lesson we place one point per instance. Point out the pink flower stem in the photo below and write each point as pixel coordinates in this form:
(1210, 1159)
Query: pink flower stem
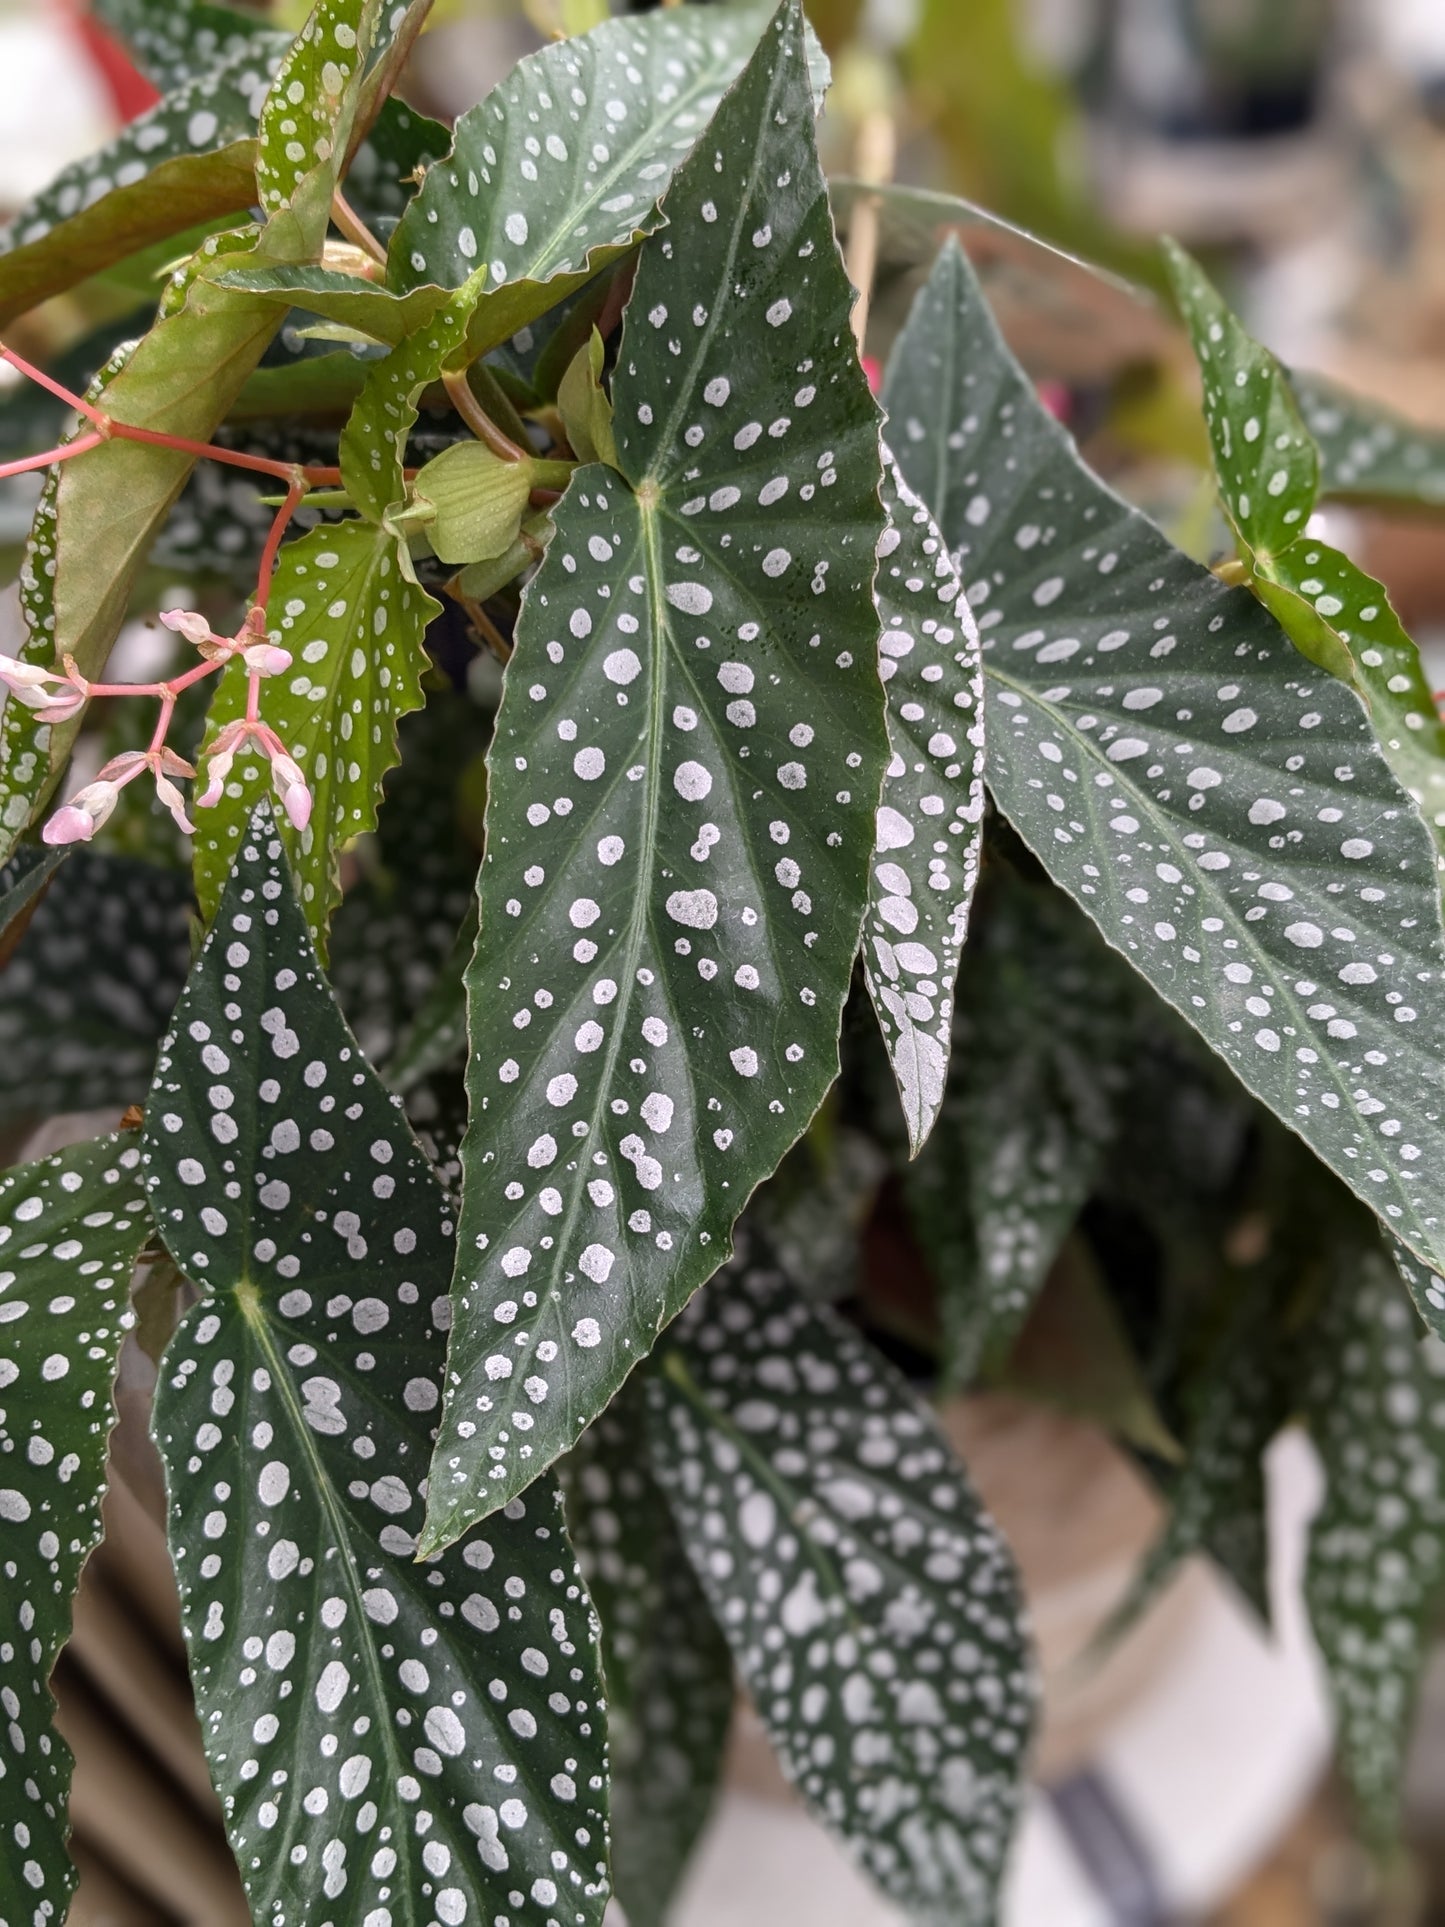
(279, 523)
(253, 699)
(163, 721)
(61, 454)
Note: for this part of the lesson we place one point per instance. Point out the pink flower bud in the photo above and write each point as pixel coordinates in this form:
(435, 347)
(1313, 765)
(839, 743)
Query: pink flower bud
(187, 623)
(79, 819)
(291, 786)
(265, 659)
(40, 689)
(218, 768)
(175, 803)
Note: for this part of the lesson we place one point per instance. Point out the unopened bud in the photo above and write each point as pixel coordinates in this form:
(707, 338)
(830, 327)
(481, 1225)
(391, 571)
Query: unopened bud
(266, 659)
(79, 819)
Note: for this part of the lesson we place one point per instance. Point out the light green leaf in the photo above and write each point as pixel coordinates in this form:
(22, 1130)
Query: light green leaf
(87, 995)
(70, 1229)
(668, 1669)
(930, 821)
(1331, 610)
(1216, 805)
(473, 501)
(191, 159)
(349, 1696)
(342, 604)
(174, 41)
(1368, 452)
(870, 1603)
(1376, 1567)
(681, 805)
(373, 443)
(584, 407)
(362, 306)
(305, 125)
(1043, 1029)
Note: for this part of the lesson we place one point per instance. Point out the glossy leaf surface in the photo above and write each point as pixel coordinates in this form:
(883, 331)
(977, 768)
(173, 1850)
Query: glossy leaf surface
(174, 41)
(70, 1229)
(436, 1727)
(870, 1604)
(354, 624)
(668, 1668)
(930, 819)
(1215, 803)
(681, 805)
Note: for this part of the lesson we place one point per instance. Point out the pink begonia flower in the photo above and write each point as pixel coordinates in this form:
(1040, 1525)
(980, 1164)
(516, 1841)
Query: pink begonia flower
(51, 696)
(266, 659)
(175, 803)
(218, 766)
(187, 623)
(291, 786)
(79, 819)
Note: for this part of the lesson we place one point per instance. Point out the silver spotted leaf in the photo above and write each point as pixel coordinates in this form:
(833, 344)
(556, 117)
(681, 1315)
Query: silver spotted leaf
(191, 158)
(930, 818)
(306, 121)
(1044, 1031)
(1367, 452)
(87, 995)
(70, 1229)
(871, 1605)
(173, 41)
(681, 805)
(344, 605)
(395, 1740)
(668, 1668)
(1213, 801)
(1331, 610)
(1376, 1570)
(560, 169)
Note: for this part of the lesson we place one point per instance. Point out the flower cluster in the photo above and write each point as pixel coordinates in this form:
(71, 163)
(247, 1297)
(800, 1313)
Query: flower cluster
(57, 696)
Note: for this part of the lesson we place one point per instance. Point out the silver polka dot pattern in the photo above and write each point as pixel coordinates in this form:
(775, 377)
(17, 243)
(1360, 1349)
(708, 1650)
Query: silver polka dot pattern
(70, 1229)
(393, 1741)
(930, 816)
(871, 1605)
(1216, 803)
(681, 802)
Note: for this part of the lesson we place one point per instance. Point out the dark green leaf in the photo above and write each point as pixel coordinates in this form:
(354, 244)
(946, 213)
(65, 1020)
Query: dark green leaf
(930, 820)
(425, 1734)
(87, 995)
(1367, 452)
(174, 41)
(870, 1604)
(1044, 1030)
(682, 799)
(1377, 1544)
(342, 603)
(668, 1669)
(561, 168)
(1217, 806)
(70, 1228)
(23, 882)
(1331, 610)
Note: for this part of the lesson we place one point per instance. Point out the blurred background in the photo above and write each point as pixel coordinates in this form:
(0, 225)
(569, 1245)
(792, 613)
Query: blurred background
(1298, 146)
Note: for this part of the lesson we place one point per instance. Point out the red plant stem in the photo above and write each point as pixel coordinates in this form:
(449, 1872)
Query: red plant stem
(273, 544)
(170, 689)
(253, 699)
(90, 412)
(61, 454)
(163, 721)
